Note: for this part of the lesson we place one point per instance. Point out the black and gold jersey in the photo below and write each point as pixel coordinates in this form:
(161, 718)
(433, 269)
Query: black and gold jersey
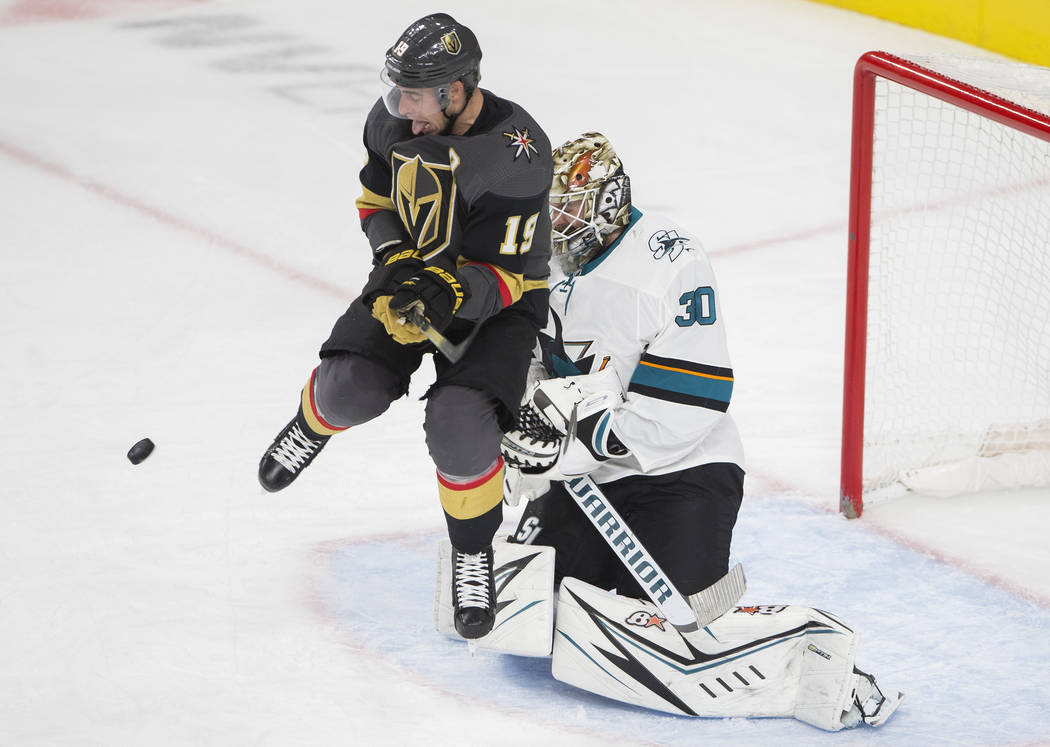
(474, 204)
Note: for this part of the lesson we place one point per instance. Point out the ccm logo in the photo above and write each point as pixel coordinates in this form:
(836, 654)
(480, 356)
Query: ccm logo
(818, 652)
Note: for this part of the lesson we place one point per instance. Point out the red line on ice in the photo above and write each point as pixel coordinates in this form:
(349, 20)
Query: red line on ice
(173, 221)
(291, 273)
(769, 484)
(47, 11)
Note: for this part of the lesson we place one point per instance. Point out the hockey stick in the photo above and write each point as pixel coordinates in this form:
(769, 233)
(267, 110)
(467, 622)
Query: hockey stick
(453, 352)
(686, 613)
(632, 552)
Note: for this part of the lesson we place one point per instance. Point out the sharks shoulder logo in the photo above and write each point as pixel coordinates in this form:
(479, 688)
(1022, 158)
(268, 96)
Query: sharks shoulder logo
(425, 197)
(668, 244)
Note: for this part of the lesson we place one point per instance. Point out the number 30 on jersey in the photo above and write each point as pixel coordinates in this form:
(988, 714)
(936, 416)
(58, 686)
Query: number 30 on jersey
(699, 307)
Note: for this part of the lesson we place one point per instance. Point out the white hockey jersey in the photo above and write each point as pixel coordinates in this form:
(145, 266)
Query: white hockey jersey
(649, 307)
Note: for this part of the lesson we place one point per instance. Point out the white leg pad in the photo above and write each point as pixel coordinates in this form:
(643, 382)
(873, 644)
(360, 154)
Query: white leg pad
(771, 660)
(524, 576)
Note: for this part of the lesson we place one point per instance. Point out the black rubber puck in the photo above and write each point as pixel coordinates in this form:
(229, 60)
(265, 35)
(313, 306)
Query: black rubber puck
(140, 451)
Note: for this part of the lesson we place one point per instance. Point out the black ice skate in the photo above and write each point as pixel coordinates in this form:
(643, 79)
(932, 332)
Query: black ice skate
(289, 454)
(473, 593)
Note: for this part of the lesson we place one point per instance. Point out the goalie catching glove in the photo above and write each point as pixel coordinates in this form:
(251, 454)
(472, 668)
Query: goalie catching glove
(565, 427)
(435, 292)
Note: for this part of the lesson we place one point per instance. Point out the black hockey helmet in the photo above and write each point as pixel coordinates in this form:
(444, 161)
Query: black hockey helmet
(434, 52)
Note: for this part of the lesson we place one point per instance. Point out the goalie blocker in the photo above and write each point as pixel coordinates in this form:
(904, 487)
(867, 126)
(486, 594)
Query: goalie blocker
(753, 661)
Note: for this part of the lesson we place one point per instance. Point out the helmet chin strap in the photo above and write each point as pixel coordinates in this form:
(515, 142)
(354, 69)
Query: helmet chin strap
(468, 94)
(450, 122)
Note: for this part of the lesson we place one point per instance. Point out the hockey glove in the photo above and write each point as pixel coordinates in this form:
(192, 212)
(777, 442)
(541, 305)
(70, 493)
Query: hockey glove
(591, 442)
(436, 293)
(565, 426)
(389, 273)
(397, 326)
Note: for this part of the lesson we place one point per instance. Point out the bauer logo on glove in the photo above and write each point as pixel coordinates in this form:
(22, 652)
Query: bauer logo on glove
(435, 292)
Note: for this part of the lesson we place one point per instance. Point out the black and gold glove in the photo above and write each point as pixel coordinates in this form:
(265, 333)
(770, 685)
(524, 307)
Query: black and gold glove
(435, 292)
(390, 272)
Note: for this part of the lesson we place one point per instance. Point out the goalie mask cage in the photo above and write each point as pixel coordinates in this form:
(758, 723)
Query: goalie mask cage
(947, 362)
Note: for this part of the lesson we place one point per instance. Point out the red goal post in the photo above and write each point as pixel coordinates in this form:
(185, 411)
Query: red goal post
(919, 81)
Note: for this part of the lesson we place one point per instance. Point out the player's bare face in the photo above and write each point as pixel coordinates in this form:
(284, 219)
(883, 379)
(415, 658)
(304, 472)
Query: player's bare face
(421, 106)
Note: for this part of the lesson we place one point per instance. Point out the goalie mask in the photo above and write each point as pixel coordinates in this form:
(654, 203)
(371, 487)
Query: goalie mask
(590, 199)
(432, 53)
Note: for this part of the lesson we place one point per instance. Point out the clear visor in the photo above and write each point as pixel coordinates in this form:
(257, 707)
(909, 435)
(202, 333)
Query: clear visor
(572, 213)
(411, 103)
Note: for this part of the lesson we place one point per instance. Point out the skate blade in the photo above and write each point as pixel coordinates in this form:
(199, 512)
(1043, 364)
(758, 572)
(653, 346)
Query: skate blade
(889, 705)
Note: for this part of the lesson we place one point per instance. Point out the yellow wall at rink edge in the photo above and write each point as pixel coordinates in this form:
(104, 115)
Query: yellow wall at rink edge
(1015, 28)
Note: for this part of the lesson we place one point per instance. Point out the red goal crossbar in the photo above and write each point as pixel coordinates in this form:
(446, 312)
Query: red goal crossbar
(869, 67)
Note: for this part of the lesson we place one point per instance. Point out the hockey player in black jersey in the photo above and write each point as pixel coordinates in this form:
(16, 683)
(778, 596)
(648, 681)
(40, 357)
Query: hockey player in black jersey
(454, 205)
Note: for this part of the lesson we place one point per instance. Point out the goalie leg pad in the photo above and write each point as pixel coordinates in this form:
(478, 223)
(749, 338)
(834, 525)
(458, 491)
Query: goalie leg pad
(524, 576)
(773, 660)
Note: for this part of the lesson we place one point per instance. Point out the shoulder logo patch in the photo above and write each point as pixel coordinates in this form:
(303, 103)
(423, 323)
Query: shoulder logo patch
(669, 244)
(520, 139)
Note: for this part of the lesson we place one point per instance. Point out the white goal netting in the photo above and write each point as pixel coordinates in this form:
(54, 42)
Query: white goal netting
(958, 344)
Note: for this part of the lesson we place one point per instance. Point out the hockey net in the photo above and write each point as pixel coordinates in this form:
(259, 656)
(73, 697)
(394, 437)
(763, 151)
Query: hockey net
(947, 368)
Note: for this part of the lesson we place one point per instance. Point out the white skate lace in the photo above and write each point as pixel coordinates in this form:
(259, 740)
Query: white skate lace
(472, 580)
(295, 449)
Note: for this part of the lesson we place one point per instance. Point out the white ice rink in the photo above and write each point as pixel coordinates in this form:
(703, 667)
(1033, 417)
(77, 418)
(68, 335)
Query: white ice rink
(177, 234)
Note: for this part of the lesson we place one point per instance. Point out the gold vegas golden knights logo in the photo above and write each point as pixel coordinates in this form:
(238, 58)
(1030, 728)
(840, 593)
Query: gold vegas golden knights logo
(452, 42)
(425, 196)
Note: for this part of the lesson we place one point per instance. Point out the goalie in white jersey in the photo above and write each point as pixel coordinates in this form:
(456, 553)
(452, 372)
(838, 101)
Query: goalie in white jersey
(637, 317)
(632, 390)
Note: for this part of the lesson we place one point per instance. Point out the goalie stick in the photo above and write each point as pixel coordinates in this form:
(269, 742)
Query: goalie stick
(687, 614)
(453, 352)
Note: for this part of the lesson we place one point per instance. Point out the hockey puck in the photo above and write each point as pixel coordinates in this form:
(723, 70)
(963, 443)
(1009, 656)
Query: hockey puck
(140, 451)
